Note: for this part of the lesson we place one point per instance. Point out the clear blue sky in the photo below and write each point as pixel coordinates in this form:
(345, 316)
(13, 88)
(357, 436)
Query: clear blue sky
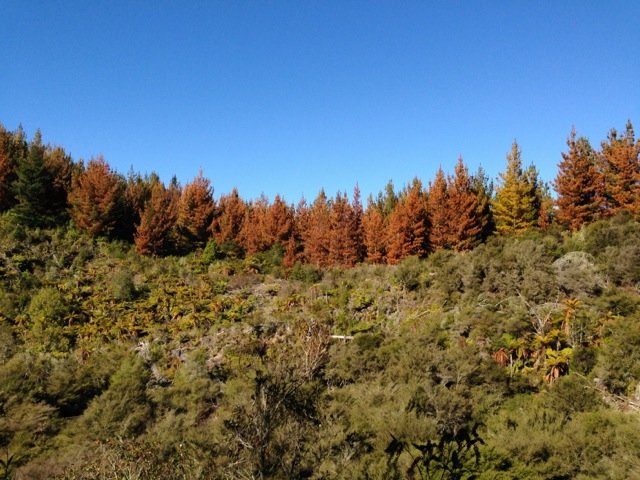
(290, 97)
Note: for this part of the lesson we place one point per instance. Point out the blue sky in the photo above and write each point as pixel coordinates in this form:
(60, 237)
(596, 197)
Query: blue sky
(290, 97)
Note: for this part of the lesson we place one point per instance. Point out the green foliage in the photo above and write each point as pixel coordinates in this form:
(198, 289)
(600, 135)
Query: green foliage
(517, 359)
(124, 407)
(619, 362)
(409, 272)
(122, 286)
(305, 273)
(32, 188)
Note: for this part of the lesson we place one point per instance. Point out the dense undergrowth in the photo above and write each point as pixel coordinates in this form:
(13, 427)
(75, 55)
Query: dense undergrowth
(519, 359)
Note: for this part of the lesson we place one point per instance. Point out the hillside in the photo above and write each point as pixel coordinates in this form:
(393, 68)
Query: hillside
(517, 359)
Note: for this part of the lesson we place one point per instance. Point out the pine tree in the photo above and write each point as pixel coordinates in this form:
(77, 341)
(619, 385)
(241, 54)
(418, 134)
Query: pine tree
(154, 233)
(482, 187)
(228, 220)
(13, 151)
(195, 212)
(290, 253)
(546, 206)
(137, 193)
(578, 184)
(388, 200)
(279, 223)
(33, 187)
(358, 213)
(373, 228)
(62, 170)
(440, 214)
(7, 169)
(315, 226)
(407, 229)
(253, 237)
(466, 220)
(516, 204)
(96, 198)
(375, 222)
(301, 221)
(620, 160)
(343, 231)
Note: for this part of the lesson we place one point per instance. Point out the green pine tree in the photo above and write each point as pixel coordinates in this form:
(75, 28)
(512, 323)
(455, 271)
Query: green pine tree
(33, 187)
(516, 204)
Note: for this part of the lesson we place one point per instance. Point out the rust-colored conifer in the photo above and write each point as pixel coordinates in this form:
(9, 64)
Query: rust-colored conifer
(466, 221)
(279, 222)
(407, 230)
(96, 198)
(440, 214)
(229, 218)
(579, 184)
(153, 234)
(343, 232)
(253, 238)
(373, 233)
(195, 212)
(620, 160)
(315, 225)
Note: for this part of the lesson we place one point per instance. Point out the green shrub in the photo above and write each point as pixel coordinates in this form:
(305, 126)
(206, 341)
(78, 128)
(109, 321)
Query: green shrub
(305, 273)
(122, 286)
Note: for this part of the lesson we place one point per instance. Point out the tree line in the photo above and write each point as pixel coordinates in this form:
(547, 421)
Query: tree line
(42, 186)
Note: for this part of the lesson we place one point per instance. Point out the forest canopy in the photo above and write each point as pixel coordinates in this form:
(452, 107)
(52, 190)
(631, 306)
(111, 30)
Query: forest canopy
(42, 186)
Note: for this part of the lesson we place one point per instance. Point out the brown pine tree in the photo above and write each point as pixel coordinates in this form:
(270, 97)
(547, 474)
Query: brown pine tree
(279, 222)
(546, 210)
(315, 227)
(154, 233)
(195, 212)
(440, 214)
(96, 198)
(343, 232)
(578, 184)
(466, 219)
(620, 160)
(407, 230)
(229, 218)
(253, 238)
(290, 253)
(373, 233)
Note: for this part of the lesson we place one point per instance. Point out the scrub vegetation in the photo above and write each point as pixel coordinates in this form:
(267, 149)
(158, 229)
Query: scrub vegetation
(170, 342)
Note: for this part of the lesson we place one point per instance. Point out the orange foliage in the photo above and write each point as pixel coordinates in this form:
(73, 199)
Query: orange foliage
(343, 233)
(407, 231)
(620, 159)
(96, 198)
(195, 211)
(373, 228)
(466, 221)
(440, 214)
(157, 220)
(229, 218)
(314, 224)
